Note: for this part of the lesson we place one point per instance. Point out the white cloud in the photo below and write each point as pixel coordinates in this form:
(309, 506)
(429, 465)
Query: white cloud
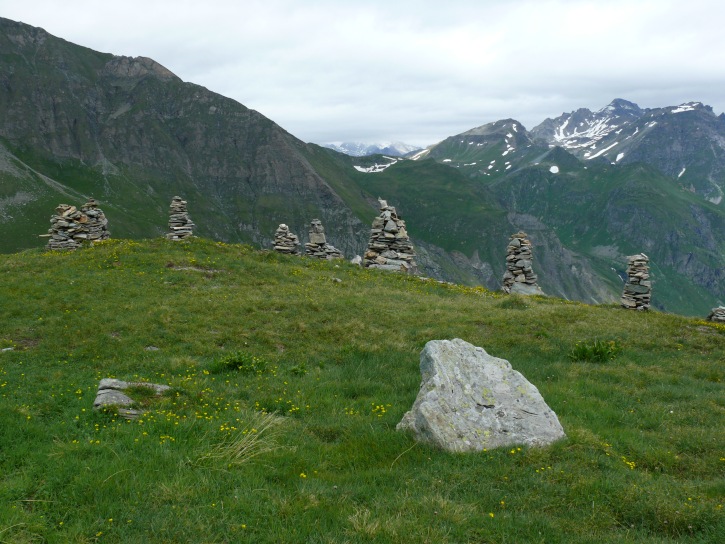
(412, 71)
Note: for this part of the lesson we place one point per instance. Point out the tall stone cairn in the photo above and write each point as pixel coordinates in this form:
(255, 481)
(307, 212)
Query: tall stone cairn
(285, 241)
(180, 223)
(317, 246)
(638, 289)
(97, 225)
(717, 315)
(390, 247)
(519, 276)
(70, 227)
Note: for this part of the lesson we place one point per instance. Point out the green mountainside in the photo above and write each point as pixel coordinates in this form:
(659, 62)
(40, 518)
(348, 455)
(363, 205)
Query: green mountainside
(288, 377)
(602, 211)
(75, 123)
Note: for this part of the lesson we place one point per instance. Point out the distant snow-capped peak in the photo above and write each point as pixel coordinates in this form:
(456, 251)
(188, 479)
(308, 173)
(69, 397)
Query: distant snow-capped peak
(359, 149)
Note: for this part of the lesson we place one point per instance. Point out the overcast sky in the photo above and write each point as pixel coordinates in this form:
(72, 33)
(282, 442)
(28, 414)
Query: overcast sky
(417, 72)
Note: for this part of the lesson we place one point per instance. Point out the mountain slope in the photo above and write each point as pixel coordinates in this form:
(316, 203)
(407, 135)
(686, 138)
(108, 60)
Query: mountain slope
(132, 134)
(602, 212)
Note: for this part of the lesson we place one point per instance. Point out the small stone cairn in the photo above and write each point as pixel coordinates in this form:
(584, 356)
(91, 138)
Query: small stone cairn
(70, 227)
(285, 241)
(519, 276)
(180, 223)
(317, 246)
(717, 315)
(389, 247)
(638, 289)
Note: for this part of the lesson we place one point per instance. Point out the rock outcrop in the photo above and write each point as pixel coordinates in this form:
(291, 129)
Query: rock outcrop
(638, 289)
(111, 394)
(70, 227)
(717, 315)
(285, 241)
(180, 224)
(390, 247)
(519, 276)
(470, 401)
(317, 246)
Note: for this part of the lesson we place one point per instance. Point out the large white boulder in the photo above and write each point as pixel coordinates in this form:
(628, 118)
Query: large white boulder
(470, 401)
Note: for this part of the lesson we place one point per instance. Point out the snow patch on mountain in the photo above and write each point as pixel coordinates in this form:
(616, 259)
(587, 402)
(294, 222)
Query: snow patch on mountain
(376, 167)
(688, 106)
(599, 153)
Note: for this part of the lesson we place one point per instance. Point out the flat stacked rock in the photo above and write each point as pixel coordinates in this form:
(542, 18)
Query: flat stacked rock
(638, 289)
(717, 314)
(96, 228)
(179, 221)
(70, 227)
(317, 246)
(285, 241)
(519, 276)
(389, 247)
(63, 227)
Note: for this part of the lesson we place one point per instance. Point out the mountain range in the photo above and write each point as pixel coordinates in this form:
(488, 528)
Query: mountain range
(588, 187)
(359, 149)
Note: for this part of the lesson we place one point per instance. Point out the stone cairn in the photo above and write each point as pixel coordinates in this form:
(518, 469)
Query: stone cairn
(70, 227)
(519, 276)
(179, 221)
(317, 246)
(285, 241)
(717, 315)
(389, 247)
(638, 289)
(97, 224)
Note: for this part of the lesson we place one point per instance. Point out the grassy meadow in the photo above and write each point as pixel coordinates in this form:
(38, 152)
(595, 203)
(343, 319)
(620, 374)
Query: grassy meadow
(288, 378)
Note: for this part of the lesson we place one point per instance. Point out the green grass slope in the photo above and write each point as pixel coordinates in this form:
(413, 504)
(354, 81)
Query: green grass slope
(287, 385)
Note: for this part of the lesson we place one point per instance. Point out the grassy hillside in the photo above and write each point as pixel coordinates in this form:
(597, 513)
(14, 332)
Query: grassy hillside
(289, 376)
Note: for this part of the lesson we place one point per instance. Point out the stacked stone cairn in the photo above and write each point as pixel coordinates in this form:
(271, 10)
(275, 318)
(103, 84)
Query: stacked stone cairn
(97, 224)
(285, 241)
(180, 223)
(389, 247)
(70, 227)
(317, 246)
(519, 276)
(638, 289)
(717, 315)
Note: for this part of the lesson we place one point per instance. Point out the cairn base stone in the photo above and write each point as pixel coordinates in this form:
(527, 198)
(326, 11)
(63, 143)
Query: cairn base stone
(470, 401)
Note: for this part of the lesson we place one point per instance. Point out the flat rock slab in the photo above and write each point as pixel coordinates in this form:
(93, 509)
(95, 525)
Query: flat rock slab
(527, 289)
(470, 401)
(111, 393)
